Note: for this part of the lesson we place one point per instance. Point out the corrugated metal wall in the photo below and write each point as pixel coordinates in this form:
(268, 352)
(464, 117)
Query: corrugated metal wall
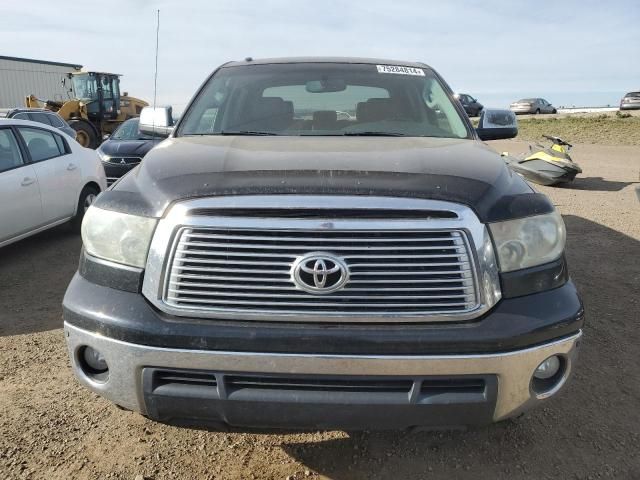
(19, 79)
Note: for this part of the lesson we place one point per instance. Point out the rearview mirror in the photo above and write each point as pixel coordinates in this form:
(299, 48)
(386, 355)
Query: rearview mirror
(326, 85)
(157, 121)
(497, 125)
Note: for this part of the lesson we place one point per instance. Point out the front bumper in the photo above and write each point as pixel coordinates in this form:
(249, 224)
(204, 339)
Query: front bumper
(505, 387)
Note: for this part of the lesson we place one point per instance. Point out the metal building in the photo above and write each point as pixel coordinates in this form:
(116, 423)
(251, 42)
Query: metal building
(20, 77)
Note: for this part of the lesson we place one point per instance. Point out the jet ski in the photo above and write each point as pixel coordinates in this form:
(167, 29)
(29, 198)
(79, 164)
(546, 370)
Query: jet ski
(547, 165)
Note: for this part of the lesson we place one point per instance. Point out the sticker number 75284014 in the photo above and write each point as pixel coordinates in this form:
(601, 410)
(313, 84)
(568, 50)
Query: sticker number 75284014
(400, 70)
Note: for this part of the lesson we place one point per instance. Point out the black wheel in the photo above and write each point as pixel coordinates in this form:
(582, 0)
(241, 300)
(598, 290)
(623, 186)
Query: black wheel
(554, 111)
(87, 197)
(86, 134)
(538, 111)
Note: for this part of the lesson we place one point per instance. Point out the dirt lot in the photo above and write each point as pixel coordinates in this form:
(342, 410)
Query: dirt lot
(50, 428)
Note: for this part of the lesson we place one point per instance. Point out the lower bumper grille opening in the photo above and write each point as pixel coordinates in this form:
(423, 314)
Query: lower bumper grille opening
(367, 385)
(462, 385)
(184, 377)
(236, 382)
(316, 401)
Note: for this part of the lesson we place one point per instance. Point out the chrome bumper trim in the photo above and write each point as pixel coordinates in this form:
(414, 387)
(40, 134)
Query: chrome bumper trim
(126, 361)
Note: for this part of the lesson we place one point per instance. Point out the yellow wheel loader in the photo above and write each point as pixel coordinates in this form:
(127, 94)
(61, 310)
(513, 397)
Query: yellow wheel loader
(95, 107)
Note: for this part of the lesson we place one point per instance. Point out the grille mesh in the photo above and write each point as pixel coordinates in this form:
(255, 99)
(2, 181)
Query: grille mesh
(391, 271)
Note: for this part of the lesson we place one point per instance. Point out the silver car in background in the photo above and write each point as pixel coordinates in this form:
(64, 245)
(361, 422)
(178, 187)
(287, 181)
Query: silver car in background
(532, 105)
(631, 101)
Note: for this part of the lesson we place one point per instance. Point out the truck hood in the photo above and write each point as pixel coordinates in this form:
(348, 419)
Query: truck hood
(461, 171)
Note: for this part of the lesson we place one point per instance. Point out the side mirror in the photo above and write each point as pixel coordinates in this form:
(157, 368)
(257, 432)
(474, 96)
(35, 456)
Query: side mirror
(157, 121)
(497, 125)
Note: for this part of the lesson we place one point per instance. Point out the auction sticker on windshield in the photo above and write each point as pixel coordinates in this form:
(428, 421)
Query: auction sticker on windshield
(400, 70)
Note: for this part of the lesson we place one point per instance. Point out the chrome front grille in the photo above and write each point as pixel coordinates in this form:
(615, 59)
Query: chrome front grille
(125, 160)
(247, 258)
(418, 272)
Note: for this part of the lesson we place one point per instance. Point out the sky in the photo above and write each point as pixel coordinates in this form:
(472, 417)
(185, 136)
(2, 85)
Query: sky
(572, 52)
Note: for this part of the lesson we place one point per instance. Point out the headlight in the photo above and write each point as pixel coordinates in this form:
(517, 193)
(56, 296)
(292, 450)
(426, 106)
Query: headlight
(527, 242)
(103, 156)
(116, 236)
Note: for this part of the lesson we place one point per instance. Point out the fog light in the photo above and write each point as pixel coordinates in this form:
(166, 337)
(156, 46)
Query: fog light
(94, 360)
(548, 368)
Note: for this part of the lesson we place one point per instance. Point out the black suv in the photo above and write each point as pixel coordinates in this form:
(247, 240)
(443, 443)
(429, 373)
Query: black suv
(40, 115)
(324, 243)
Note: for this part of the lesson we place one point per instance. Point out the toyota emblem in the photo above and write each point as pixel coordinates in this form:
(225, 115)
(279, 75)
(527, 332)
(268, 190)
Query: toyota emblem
(319, 272)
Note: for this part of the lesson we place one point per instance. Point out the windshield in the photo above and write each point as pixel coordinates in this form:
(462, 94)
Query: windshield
(85, 86)
(129, 131)
(324, 99)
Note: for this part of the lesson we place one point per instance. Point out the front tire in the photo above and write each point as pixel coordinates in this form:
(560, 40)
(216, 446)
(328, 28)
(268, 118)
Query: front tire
(86, 134)
(538, 111)
(87, 197)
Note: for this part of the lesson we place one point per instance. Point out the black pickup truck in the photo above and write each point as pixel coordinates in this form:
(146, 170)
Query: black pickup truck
(325, 243)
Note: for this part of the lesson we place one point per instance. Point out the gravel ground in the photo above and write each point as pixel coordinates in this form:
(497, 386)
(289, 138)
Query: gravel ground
(50, 428)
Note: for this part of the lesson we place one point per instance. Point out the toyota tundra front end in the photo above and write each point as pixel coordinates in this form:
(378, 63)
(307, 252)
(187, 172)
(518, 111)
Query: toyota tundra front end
(324, 243)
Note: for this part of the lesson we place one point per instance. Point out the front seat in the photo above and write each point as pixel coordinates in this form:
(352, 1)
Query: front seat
(269, 114)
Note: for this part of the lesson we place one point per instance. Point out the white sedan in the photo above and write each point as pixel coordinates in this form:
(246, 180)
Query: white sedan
(46, 179)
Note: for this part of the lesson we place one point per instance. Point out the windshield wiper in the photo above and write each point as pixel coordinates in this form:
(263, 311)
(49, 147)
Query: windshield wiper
(245, 132)
(373, 134)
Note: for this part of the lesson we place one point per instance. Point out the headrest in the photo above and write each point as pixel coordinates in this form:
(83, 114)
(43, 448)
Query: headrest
(37, 143)
(271, 113)
(39, 148)
(375, 109)
(269, 106)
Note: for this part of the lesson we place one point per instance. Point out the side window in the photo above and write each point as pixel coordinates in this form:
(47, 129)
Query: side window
(41, 144)
(208, 120)
(54, 120)
(62, 144)
(39, 117)
(10, 156)
(21, 116)
(441, 111)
